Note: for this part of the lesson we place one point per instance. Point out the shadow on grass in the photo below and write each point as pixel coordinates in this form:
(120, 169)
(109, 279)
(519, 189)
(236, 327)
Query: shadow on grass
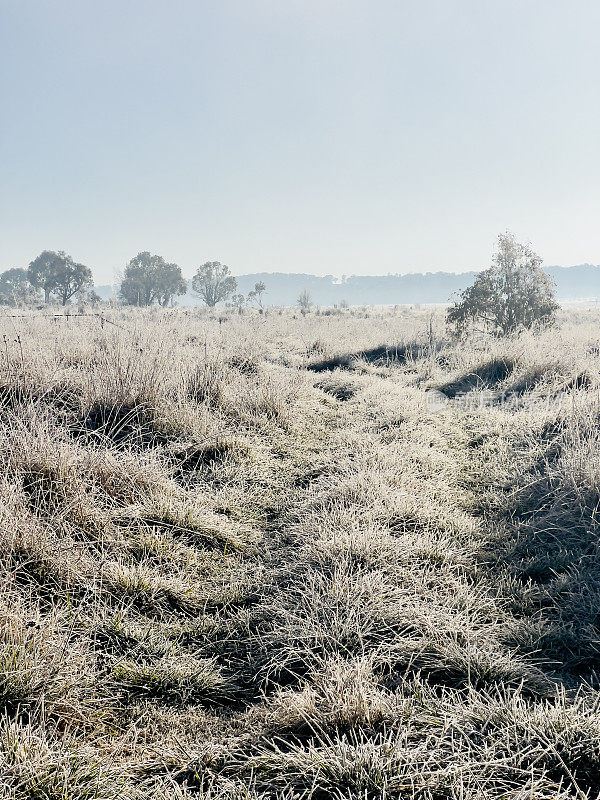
(382, 355)
(486, 376)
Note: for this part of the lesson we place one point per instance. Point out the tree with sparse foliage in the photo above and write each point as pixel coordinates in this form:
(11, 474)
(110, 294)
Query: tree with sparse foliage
(514, 293)
(257, 293)
(238, 301)
(57, 274)
(214, 283)
(304, 300)
(150, 279)
(15, 288)
(88, 297)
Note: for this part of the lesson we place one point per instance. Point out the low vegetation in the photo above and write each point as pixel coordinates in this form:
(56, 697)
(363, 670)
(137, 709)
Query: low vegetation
(244, 556)
(513, 294)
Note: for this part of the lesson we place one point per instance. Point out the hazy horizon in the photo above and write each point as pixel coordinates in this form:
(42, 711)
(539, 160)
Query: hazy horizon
(325, 137)
(189, 274)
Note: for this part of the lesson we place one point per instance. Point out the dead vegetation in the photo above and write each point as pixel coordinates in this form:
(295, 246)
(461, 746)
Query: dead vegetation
(224, 576)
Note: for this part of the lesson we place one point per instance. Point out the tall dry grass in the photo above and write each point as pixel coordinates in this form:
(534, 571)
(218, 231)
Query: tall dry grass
(242, 556)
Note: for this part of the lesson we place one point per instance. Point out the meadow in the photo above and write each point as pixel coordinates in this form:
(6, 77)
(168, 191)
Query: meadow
(254, 556)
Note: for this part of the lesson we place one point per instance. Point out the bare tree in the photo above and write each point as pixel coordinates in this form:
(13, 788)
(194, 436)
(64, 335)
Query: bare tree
(305, 300)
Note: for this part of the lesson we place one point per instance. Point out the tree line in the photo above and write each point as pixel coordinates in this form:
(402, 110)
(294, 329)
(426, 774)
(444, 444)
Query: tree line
(512, 294)
(55, 275)
(150, 279)
(147, 279)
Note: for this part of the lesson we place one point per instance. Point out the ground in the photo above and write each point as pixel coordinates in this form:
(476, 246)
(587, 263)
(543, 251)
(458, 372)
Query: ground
(254, 556)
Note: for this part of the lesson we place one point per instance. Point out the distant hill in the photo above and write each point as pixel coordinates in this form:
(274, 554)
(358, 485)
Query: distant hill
(576, 283)
(107, 292)
(581, 282)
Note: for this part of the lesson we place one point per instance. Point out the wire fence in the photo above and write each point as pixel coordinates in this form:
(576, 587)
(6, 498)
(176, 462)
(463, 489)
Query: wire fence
(100, 317)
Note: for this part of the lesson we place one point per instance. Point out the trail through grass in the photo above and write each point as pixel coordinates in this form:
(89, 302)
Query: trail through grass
(228, 573)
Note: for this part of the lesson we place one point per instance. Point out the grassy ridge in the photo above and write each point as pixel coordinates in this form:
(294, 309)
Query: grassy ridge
(242, 557)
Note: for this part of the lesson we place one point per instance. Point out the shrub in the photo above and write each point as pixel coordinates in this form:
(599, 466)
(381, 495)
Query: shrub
(514, 293)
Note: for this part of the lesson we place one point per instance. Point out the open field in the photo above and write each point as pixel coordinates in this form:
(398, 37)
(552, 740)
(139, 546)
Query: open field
(244, 557)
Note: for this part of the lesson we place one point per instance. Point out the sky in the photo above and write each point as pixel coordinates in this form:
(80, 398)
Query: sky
(319, 136)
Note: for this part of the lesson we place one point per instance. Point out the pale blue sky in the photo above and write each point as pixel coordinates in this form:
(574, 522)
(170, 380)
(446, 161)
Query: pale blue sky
(324, 136)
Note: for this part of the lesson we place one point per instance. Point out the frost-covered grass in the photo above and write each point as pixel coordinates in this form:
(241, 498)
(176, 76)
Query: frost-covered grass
(243, 558)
